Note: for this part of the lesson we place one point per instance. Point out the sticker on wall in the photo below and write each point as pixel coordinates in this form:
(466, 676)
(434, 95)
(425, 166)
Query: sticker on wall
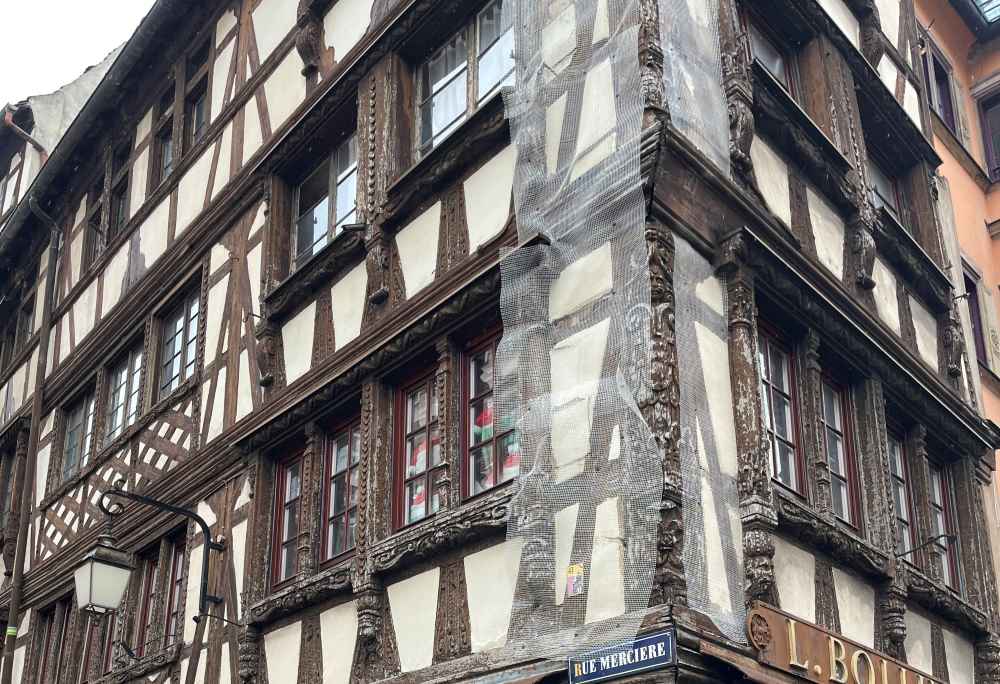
(574, 580)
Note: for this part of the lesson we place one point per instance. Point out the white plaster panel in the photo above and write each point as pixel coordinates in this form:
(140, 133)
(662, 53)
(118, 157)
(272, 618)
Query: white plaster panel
(282, 648)
(559, 38)
(918, 642)
(85, 311)
(75, 258)
(41, 291)
(716, 556)
(886, 293)
(140, 170)
(297, 341)
(225, 159)
(339, 632)
(216, 420)
(490, 580)
(418, 246)
(584, 281)
(253, 136)
(413, 603)
(153, 233)
(220, 76)
(795, 575)
(772, 179)
(576, 372)
(606, 588)
(345, 23)
(927, 332)
(218, 256)
(555, 113)
(144, 126)
(41, 470)
(487, 197)
(225, 675)
(191, 190)
(888, 14)
(214, 321)
(856, 604)
(714, 353)
(286, 87)
(225, 24)
(828, 231)
(253, 273)
(193, 589)
(244, 498)
(844, 18)
(114, 278)
(565, 533)
(64, 338)
(911, 103)
(596, 137)
(239, 550)
(272, 20)
(17, 667)
(244, 394)
(348, 303)
(961, 656)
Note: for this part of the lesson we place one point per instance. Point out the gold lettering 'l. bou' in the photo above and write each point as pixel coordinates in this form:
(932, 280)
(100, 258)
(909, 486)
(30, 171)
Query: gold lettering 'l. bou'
(784, 642)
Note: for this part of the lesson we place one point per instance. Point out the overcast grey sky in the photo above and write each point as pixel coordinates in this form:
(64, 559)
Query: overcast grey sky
(48, 43)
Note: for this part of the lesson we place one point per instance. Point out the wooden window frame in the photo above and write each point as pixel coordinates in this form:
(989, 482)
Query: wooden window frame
(991, 153)
(146, 619)
(974, 303)
(132, 360)
(282, 467)
(933, 57)
(175, 599)
(771, 336)
(752, 22)
(86, 448)
(907, 526)
(949, 549)
(189, 298)
(473, 98)
(348, 428)
(59, 611)
(851, 476)
(488, 341)
(400, 478)
(162, 131)
(335, 178)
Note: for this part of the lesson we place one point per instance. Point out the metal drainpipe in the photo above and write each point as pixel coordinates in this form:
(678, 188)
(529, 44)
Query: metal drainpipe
(28, 483)
(8, 121)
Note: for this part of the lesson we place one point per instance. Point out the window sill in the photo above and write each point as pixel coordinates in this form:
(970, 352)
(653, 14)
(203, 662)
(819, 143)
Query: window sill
(482, 516)
(330, 261)
(297, 593)
(944, 601)
(902, 250)
(482, 131)
(144, 665)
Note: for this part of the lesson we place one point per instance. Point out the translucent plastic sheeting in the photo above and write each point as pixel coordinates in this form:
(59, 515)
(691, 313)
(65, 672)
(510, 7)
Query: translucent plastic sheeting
(692, 75)
(713, 534)
(575, 348)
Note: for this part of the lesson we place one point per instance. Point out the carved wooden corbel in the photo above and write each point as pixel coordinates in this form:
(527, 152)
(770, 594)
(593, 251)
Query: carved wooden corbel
(309, 40)
(953, 344)
(892, 606)
(249, 653)
(872, 40)
(738, 86)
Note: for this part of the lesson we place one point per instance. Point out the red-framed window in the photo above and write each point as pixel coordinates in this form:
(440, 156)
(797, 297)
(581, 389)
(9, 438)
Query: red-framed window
(492, 448)
(418, 451)
(149, 566)
(942, 503)
(55, 624)
(287, 519)
(899, 470)
(174, 598)
(781, 412)
(835, 424)
(340, 498)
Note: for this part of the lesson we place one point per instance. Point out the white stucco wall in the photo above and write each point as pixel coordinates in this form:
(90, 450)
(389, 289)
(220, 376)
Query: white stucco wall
(282, 647)
(339, 632)
(888, 12)
(772, 179)
(345, 23)
(795, 575)
(297, 342)
(565, 532)
(272, 20)
(927, 332)
(490, 580)
(582, 282)
(961, 656)
(597, 133)
(844, 18)
(348, 303)
(285, 88)
(918, 642)
(488, 197)
(886, 295)
(828, 232)
(856, 605)
(413, 602)
(417, 243)
(606, 588)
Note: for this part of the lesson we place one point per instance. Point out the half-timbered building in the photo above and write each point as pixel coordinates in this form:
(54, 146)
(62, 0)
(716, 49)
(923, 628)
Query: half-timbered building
(352, 281)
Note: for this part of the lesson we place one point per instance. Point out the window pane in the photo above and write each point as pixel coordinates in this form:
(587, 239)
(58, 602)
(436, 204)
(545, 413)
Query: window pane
(768, 54)
(840, 502)
(496, 65)
(510, 457)
(785, 463)
(347, 194)
(292, 482)
(416, 455)
(342, 447)
(899, 499)
(482, 468)
(355, 445)
(435, 438)
(782, 409)
(481, 420)
(416, 500)
(416, 414)
(779, 369)
(435, 499)
(481, 373)
(354, 488)
(831, 406)
(835, 452)
(338, 537)
(338, 494)
(313, 213)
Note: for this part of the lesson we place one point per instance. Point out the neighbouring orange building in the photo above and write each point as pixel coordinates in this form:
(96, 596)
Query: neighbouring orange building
(960, 63)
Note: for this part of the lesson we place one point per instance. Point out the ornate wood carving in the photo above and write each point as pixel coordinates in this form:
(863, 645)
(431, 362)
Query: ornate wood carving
(827, 610)
(872, 40)
(661, 409)
(452, 633)
(249, 653)
(988, 660)
(309, 39)
(301, 593)
(817, 464)
(753, 447)
(376, 654)
(892, 609)
(739, 90)
(448, 408)
(877, 501)
(334, 259)
(650, 54)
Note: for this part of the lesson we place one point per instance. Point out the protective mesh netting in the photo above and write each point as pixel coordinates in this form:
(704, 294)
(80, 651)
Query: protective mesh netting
(576, 312)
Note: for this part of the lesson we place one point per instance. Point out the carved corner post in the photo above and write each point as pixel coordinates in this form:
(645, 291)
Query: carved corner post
(313, 472)
(651, 56)
(757, 511)
(952, 346)
(739, 90)
(879, 511)
(17, 473)
(449, 484)
(817, 466)
(872, 41)
(661, 409)
(928, 558)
